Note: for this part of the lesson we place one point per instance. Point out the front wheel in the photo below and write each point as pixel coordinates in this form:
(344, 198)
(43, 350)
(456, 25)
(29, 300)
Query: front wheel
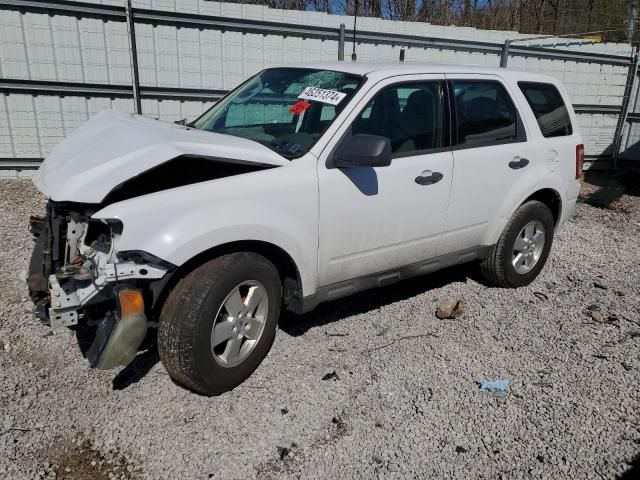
(219, 322)
(523, 247)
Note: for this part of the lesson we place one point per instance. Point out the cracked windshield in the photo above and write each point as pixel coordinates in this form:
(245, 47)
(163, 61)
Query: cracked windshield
(285, 109)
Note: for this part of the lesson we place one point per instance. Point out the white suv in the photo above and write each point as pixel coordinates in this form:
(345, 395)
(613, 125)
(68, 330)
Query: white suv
(302, 185)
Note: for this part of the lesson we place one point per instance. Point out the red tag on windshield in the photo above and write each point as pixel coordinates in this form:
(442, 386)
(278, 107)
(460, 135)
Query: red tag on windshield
(299, 107)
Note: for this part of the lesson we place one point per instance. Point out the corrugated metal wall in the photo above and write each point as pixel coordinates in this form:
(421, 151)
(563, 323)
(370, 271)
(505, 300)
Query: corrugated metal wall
(37, 46)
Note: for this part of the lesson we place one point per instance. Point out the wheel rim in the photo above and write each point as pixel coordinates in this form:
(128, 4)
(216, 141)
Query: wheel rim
(239, 323)
(528, 247)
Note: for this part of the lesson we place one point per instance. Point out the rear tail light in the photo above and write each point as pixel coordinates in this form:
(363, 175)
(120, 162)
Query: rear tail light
(579, 160)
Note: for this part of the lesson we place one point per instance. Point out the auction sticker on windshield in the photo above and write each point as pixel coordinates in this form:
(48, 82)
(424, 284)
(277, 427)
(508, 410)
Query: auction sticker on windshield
(322, 95)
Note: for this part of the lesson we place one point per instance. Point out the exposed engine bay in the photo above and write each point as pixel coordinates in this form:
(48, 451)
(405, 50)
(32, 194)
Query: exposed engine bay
(74, 269)
(78, 274)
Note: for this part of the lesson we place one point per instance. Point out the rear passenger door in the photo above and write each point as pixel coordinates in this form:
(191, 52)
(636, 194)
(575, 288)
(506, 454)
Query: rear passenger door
(493, 162)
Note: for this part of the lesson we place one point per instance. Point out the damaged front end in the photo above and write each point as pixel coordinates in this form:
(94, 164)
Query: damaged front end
(76, 275)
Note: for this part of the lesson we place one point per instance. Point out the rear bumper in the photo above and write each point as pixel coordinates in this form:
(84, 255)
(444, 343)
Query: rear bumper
(569, 208)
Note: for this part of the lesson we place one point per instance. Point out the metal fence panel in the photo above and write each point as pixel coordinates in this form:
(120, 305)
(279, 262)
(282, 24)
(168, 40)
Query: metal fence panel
(93, 50)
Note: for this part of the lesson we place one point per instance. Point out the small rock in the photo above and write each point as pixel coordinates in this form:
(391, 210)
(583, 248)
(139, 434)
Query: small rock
(450, 308)
(594, 307)
(331, 376)
(597, 316)
(460, 449)
(283, 452)
(619, 293)
(382, 332)
(600, 285)
(284, 411)
(393, 467)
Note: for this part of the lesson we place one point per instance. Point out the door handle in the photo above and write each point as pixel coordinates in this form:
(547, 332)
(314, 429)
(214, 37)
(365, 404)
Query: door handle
(518, 162)
(428, 178)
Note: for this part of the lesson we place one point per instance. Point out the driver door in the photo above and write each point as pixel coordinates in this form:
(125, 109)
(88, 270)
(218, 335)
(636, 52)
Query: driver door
(381, 219)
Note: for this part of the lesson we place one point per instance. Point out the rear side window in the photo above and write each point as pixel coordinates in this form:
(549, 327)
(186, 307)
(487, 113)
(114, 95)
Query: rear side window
(485, 114)
(549, 109)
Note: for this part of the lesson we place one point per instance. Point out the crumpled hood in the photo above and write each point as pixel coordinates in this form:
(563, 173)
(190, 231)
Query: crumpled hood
(112, 147)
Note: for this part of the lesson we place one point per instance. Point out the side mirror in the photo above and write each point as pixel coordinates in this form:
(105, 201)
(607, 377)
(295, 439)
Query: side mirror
(363, 151)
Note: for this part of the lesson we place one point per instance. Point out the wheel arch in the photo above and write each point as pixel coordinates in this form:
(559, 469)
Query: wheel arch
(547, 193)
(283, 261)
(551, 198)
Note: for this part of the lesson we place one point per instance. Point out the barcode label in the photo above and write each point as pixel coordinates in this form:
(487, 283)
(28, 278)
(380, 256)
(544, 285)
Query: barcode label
(322, 95)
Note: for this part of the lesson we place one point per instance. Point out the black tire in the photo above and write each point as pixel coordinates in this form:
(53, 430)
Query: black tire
(498, 268)
(188, 316)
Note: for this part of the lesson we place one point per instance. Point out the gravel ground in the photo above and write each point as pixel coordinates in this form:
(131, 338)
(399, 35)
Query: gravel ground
(404, 402)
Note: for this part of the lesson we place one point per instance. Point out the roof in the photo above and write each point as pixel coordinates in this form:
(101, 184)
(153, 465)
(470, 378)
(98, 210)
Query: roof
(387, 69)
(363, 68)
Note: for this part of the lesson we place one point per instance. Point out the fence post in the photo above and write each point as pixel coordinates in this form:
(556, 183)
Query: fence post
(504, 56)
(133, 53)
(341, 43)
(624, 111)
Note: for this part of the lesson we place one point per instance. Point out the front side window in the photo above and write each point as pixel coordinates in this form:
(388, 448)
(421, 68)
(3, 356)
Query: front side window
(485, 113)
(549, 109)
(409, 115)
(285, 109)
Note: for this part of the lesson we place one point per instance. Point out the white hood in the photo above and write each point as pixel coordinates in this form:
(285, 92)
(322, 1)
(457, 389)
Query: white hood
(113, 147)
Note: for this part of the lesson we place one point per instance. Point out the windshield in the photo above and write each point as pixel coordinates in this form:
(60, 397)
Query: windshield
(285, 109)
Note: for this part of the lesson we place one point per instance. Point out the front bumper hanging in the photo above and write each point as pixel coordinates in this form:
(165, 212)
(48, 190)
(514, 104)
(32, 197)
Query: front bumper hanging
(68, 279)
(120, 334)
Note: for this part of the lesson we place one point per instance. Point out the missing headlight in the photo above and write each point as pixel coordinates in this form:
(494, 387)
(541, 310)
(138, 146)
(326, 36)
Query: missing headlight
(100, 234)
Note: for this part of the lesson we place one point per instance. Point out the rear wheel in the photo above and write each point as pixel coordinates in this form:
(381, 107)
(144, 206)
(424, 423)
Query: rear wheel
(219, 322)
(523, 247)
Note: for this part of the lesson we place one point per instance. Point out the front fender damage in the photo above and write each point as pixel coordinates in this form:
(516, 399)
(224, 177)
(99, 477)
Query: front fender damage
(77, 275)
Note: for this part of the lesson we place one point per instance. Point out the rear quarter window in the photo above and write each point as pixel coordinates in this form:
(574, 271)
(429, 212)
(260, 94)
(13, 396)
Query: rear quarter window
(548, 107)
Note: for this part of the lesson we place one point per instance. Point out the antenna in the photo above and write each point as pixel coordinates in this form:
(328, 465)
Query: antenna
(355, 17)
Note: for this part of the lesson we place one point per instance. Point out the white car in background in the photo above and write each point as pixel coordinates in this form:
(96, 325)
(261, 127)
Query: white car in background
(302, 185)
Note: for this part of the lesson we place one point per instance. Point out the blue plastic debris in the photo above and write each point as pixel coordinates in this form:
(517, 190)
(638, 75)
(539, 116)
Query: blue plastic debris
(494, 386)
